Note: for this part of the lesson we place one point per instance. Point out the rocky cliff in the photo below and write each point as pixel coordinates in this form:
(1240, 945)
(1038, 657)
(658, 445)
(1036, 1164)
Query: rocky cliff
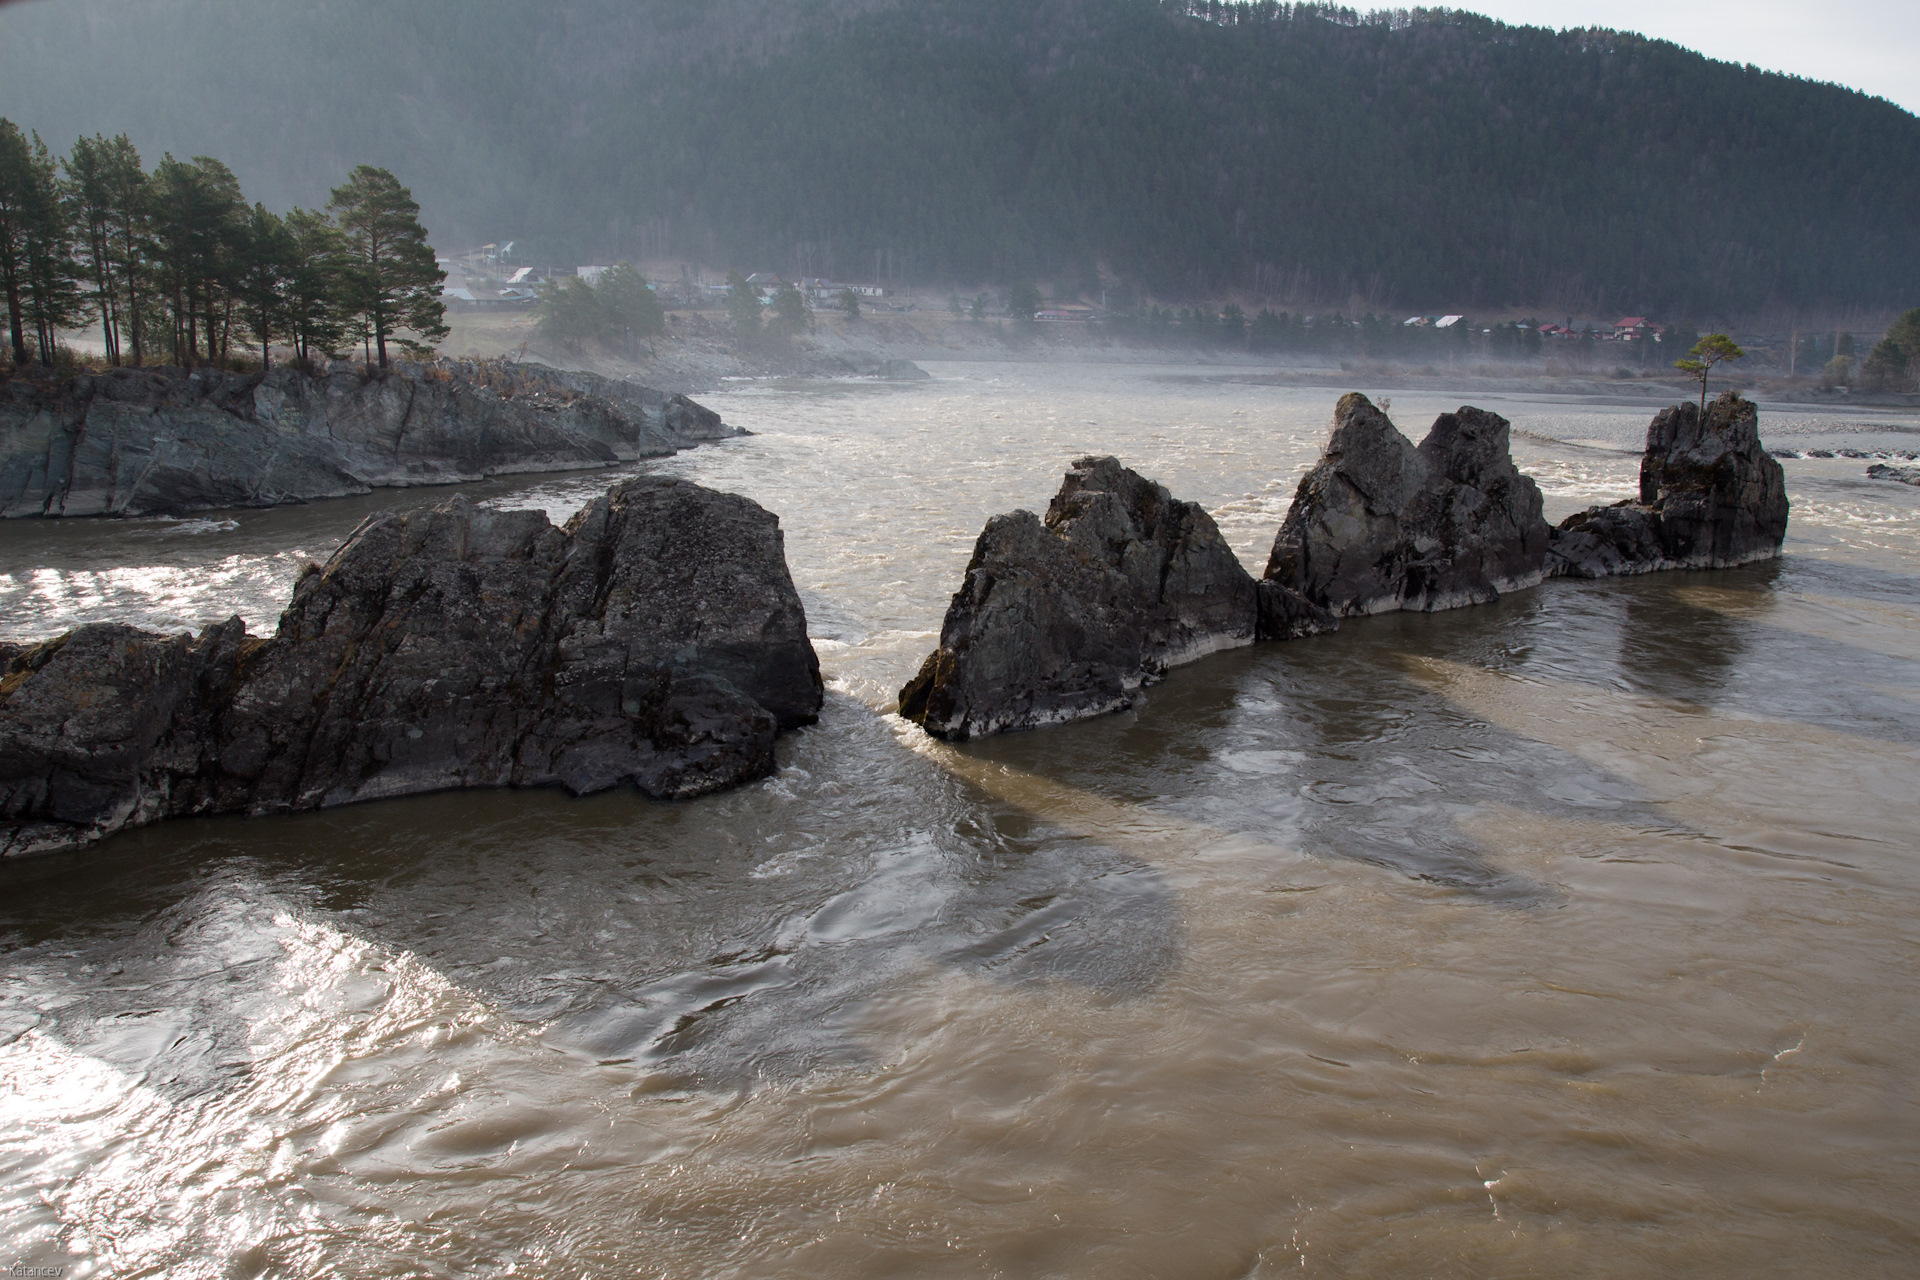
(1710, 498)
(165, 441)
(656, 641)
(1380, 524)
(1065, 618)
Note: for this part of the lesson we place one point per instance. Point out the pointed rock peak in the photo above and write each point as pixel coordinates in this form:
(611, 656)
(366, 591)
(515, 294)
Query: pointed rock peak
(1068, 619)
(1360, 424)
(1378, 524)
(1467, 443)
(1142, 501)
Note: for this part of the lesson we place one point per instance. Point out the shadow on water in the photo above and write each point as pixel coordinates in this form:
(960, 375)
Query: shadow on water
(1332, 747)
(1771, 639)
(716, 939)
(1325, 746)
(1671, 648)
(734, 936)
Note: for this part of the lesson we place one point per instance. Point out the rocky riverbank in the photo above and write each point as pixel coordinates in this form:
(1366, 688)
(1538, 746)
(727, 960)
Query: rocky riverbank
(164, 441)
(656, 641)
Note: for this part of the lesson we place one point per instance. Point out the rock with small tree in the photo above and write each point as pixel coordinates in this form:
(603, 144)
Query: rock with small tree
(1715, 348)
(1710, 498)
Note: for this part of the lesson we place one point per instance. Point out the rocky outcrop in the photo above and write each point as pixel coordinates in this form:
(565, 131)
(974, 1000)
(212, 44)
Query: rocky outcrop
(1380, 524)
(656, 641)
(1905, 475)
(165, 441)
(1066, 618)
(1710, 498)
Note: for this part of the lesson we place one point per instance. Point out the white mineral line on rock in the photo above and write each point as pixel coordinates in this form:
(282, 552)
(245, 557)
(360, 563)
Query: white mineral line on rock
(1204, 646)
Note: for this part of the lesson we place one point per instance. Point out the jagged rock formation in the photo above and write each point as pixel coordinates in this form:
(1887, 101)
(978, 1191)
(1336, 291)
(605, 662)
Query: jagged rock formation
(1067, 618)
(166, 441)
(1710, 498)
(1905, 475)
(655, 641)
(1379, 524)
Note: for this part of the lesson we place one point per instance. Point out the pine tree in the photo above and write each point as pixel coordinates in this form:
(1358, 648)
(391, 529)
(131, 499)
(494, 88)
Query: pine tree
(16, 203)
(394, 281)
(125, 194)
(197, 218)
(54, 299)
(92, 199)
(790, 311)
(1894, 362)
(631, 308)
(316, 318)
(1023, 300)
(1711, 350)
(1233, 325)
(569, 312)
(743, 307)
(267, 254)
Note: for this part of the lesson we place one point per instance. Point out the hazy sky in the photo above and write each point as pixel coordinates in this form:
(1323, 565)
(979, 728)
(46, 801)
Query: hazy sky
(1871, 45)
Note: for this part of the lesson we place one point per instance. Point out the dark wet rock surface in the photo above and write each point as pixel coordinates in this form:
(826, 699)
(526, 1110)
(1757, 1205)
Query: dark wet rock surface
(166, 441)
(1905, 475)
(1064, 618)
(1380, 524)
(656, 641)
(1710, 498)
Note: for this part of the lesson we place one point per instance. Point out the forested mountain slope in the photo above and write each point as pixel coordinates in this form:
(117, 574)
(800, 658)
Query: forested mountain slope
(1303, 153)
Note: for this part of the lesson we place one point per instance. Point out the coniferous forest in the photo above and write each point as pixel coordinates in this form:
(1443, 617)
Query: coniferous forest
(174, 267)
(1303, 154)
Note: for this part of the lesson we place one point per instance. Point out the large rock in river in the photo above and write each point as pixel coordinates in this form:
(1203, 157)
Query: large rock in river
(1066, 618)
(656, 641)
(1380, 524)
(165, 441)
(1710, 497)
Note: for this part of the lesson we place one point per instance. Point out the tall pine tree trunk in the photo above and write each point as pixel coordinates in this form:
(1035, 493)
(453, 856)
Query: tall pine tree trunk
(15, 328)
(109, 305)
(133, 307)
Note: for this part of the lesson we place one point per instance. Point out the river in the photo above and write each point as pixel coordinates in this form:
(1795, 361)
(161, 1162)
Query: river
(1574, 935)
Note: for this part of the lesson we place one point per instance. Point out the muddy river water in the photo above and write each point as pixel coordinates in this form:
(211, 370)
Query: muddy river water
(1575, 935)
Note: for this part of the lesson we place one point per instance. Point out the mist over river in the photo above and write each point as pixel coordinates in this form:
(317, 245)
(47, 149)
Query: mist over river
(1575, 935)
